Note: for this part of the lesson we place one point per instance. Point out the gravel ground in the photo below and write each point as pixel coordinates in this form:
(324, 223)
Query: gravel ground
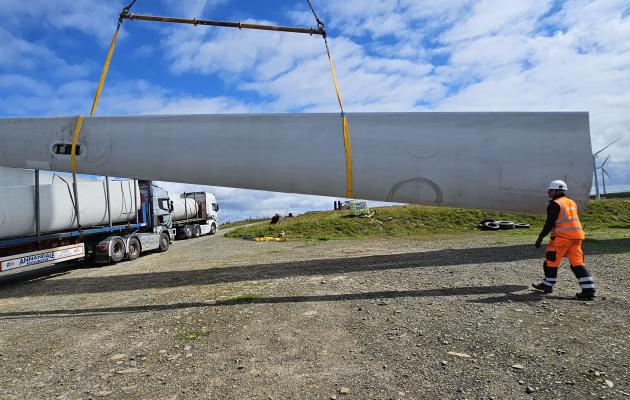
(222, 318)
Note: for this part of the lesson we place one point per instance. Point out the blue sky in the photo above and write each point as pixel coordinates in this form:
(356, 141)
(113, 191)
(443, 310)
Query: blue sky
(391, 55)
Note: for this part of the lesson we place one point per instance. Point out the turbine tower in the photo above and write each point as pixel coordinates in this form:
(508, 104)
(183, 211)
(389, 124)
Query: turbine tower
(604, 172)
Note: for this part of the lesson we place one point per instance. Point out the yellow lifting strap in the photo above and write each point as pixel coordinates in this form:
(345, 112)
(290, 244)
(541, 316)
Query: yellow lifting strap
(344, 118)
(344, 124)
(97, 96)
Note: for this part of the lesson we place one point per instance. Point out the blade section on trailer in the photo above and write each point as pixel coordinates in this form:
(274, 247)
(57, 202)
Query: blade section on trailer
(494, 161)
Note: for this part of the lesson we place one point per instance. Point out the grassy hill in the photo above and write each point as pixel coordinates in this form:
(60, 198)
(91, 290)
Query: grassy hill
(602, 218)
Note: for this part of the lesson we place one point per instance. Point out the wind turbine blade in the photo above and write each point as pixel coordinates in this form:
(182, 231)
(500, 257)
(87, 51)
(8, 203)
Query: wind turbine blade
(610, 144)
(606, 172)
(493, 161)
(606, 160)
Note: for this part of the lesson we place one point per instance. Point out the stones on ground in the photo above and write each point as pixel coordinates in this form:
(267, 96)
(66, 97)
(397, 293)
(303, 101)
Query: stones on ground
(461, 355)
(344, 390)
(105, 376)
(529, 390)
(609, 383)
(117, 357)
(127, 371)
(518, 366)
(187, 348)
(444, 363)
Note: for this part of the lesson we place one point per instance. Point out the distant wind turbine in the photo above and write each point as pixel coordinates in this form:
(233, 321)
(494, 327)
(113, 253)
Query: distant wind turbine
(604, 172)
(596, 168)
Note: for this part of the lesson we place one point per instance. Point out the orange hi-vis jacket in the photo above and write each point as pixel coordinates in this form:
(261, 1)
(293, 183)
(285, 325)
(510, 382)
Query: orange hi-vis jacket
(568, 223)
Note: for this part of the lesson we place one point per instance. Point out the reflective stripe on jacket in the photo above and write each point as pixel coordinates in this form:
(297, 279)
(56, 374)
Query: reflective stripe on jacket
(568, 223)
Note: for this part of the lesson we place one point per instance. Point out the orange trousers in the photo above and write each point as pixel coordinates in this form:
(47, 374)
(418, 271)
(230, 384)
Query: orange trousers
(560, 247)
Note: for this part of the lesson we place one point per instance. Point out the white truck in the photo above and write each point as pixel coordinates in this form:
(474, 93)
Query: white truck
(55, 219)
(194, 214)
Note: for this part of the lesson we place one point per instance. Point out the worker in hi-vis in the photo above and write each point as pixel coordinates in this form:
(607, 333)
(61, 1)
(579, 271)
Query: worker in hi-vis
(566, 241)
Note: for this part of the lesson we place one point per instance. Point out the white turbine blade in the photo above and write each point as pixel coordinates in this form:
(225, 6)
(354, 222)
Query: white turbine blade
(496, 161)
(607, 146)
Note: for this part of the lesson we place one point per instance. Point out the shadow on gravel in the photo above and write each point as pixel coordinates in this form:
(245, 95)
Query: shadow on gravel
(389, 294)
(529, 297)
(167, 279)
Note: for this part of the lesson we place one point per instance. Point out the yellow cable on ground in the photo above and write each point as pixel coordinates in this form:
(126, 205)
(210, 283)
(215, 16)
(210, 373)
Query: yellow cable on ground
(97, 96)
(344, 124)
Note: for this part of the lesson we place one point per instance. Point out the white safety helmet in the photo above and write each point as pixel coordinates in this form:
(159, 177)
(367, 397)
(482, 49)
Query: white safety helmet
(557, 185)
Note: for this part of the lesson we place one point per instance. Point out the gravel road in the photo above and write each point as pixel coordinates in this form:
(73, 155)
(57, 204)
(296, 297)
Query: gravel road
(218, 318)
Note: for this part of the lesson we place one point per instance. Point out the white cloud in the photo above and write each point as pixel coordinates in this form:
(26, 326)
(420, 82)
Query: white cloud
(191, 8)
(492, 17)
(579, 66)
(96, 18)
(20, 55)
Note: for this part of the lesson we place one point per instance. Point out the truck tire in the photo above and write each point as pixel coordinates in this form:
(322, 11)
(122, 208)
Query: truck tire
(116, 249)
(196, 231)
(133, 248)
(213, 229)
(165, 241)
(187, 231)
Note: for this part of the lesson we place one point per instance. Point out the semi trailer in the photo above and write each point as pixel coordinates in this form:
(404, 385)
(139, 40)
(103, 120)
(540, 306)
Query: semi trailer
(43, 224)
(194, 214)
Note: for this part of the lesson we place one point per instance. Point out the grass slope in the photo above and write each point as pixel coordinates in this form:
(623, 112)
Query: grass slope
(601, 219)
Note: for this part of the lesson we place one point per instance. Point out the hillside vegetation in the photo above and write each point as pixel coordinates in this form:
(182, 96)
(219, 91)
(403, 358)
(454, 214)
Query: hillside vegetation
(601, 219)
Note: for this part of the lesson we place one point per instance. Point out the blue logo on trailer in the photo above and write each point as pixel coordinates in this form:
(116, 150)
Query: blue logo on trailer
(37, 259)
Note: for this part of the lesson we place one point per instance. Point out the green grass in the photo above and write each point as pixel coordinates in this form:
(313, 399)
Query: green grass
(243, 222)
(241, 298)
(602, 219)
(192, 335)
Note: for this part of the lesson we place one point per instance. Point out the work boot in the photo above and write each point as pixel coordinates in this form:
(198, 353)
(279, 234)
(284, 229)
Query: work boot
(542, 287)
(585, 295)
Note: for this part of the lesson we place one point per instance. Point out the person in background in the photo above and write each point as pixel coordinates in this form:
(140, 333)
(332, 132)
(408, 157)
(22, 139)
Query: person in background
(566, 241)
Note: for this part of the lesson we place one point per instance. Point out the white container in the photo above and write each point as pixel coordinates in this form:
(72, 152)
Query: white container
(183, 209)
(17, 206)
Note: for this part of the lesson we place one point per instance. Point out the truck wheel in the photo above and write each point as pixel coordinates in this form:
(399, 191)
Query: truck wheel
(133, 248)
(165, 241)
(196, 231)
(116, 249)
(213, 229)
(187, 230)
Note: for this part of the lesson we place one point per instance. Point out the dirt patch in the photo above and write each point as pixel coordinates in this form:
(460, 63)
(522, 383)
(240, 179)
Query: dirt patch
(384, 319)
